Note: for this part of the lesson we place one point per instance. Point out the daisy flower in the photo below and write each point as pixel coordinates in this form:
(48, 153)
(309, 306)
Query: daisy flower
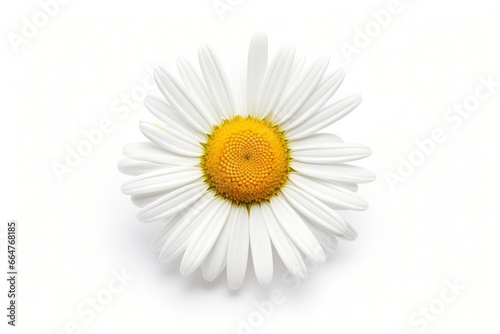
(228, 180)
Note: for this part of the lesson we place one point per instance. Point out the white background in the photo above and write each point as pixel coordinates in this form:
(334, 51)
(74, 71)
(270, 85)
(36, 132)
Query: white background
(440, 224)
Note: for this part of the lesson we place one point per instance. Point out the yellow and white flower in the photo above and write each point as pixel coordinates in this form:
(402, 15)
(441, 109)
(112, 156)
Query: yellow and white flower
(226, 181)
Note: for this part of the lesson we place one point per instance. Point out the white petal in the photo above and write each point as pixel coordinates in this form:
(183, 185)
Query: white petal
(216, 259)
(166, 231)
(295, 228)
(276, 80)
(151, 152)
(349, 186)
(256, 70)
(237, 249)
(287, 251)
(325, 117)
(325, 90)
(350, 235)
(313, 141)
(301, 91)
(203, 239)
(169, 142)
(262, 253)
(137, 167)
(198, 89)
(334, 172)
(331, 153)
(172, 120)
(329, 193)
(177, 96)
(173, 202)
(188, 223)
(164, 179)
(314, 210)
(316, 100)
(327, 240)
(217, 81)
(239, 85)
(143, 200)
(294, 76)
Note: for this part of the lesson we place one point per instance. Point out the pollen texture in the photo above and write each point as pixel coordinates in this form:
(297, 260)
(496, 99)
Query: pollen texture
(246, 160)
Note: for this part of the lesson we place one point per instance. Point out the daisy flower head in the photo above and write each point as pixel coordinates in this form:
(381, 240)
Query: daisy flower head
(229, 180)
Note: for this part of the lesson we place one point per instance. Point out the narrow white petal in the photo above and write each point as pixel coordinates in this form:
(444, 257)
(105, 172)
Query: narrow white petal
(325, 90)
(349, 186)
(295, 228)
(216, 259)
(188, 223)
(151, 152)
(198, 89)
(314, 210)
(294, 76)
(313, 141)
(166, 231)
(317, 99)
(298, 256)
(256, 70)
(276, 80)
(262, 253)
(239, 85)
(237, 249)
(334, 172)
(164, 179)
(350, 235)
(325, 117)
(331, 153)
(301, 91)
(329, 193)
(143, 200)
(137, 167)
(169, 142)
(177, 96)
(186, 134)
(288, 252)
(327, 240)
(217, 81)
(172, 119)
(173, 202)
(203, 239)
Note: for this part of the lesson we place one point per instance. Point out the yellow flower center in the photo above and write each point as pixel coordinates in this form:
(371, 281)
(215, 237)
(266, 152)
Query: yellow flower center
(246, 159)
